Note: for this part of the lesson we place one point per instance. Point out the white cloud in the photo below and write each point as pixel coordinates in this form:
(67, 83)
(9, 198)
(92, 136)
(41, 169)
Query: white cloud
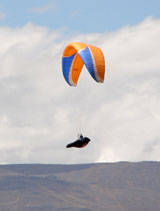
(43, 9)
(40, 113)
(76, 12)
(2, 15)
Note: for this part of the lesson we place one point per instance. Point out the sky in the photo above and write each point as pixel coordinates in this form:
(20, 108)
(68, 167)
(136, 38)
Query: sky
(40, 113)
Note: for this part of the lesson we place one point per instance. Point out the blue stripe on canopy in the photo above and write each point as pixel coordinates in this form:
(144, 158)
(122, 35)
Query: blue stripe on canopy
(66, 65)
(88, 61)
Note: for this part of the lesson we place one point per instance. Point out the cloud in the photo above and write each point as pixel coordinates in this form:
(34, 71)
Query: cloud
(76, 12)
(40, 113)
(43, 9)
(2, 15)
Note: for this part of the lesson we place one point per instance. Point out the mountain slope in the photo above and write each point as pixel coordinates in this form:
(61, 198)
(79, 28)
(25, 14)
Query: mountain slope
(122, 186)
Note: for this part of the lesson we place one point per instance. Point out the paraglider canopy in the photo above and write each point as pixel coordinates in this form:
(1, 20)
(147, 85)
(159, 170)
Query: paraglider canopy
(77, 54)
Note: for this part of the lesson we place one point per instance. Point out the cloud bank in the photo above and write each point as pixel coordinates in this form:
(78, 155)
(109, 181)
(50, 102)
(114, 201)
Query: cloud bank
(40, 113)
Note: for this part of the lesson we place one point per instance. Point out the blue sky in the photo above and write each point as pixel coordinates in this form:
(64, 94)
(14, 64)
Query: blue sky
(78, 16)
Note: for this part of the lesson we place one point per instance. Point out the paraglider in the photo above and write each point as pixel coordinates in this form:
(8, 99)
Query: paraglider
(77, 54)
(81, 142)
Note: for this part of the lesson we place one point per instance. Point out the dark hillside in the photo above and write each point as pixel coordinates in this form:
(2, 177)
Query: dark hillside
(122, 186)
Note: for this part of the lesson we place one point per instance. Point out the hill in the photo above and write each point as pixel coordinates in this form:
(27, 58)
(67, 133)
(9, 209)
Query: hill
(122, 186)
